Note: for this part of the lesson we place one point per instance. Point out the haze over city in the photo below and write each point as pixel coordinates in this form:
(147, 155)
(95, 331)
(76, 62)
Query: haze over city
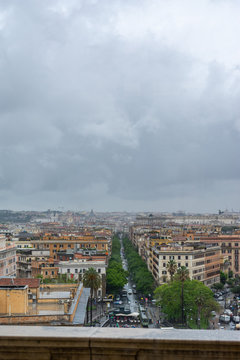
(120, 105)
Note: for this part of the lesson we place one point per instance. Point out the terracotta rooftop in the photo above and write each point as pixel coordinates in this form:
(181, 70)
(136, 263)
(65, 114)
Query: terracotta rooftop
(32, 283)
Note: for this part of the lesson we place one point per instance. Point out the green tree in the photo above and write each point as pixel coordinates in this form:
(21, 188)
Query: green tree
(182, 275)
(223, 277)
(198, 302)
(236, 290)
(171, 268)
(218, 286)
(138, 269)
(168, 297)
(92, 280)
(201, 296)
(116, 277)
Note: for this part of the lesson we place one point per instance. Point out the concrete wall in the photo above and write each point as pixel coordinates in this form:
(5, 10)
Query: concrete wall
(32, 319)
(58, 286)
(13, 301)
(75, 302)
(39, 319)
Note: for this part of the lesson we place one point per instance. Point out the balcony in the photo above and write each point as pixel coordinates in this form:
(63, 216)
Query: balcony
(71, 343)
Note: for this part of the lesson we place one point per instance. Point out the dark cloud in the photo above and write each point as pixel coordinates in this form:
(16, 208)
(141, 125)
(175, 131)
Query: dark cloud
(102, 106)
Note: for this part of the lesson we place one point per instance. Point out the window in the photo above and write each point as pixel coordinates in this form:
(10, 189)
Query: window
(236, 244)
(186, 264)
(186, 257)
(164, 272)
(99, 271)
(164, 257)
(55, 245)
(179, 264)
(46, 272)
(68, 270)
(52, 272)
(164, 264)
(179, 257)
(76, 271)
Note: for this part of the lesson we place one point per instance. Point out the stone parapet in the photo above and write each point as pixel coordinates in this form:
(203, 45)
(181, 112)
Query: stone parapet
(72, 343)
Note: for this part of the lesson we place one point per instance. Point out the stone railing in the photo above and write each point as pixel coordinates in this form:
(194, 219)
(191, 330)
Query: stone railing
(72, 343)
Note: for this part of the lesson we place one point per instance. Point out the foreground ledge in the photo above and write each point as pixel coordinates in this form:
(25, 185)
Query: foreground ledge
(72, 343)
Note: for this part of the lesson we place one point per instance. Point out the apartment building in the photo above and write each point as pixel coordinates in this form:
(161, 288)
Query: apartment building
(75, 269)
(230, 248)
(24, 263)
(8, 258)
(54, 243)
(143, 238)
(203, 262)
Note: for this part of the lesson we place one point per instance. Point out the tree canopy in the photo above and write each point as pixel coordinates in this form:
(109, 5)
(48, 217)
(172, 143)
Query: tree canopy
(92, 280)
(140, 274)
(116, 275)
(198, 302)
(171, 268)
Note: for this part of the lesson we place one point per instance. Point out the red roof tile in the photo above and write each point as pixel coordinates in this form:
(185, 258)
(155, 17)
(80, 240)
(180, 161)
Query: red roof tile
(32, 283)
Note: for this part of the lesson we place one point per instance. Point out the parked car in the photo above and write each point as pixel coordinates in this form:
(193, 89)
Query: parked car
(236, 319)
(228, 312)
(225, 318)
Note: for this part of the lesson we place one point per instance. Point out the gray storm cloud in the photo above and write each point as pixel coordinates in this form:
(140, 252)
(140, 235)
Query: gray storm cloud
(119, 105)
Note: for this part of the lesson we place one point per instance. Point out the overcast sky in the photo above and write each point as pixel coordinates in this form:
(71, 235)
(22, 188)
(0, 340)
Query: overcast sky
(120, 105)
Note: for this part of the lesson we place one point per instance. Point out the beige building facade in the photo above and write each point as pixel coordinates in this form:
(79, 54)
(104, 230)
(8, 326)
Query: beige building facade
(8, 259)
(202, 262)
(13, 299)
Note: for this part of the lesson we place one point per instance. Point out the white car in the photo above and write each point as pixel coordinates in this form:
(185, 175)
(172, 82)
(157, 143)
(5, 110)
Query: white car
(130, 292)
(236, 319)
(224, 318)
(228, 312)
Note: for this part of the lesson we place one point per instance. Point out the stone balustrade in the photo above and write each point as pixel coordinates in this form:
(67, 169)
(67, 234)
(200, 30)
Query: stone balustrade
(72, 343)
